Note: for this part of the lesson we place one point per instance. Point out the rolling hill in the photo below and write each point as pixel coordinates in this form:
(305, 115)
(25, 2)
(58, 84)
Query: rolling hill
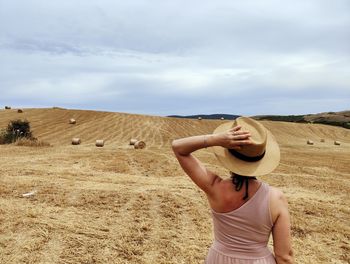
(51, 125)
(341, 119)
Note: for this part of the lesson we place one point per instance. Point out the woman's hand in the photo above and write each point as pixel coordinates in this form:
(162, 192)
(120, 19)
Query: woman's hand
(233, 138)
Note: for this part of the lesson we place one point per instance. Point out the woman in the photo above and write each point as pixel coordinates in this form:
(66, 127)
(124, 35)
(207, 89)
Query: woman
(245, 210)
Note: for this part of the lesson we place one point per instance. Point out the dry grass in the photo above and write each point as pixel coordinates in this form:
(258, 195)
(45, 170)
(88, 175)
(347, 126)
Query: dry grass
(25, 142)
(119, 205)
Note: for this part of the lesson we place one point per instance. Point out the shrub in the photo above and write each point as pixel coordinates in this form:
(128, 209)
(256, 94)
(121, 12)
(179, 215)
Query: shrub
(346, 125)
(59, 108)
(16, 129)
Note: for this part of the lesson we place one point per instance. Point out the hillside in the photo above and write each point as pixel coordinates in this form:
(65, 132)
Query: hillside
(52, 125)
(213, 116)
(341, 119)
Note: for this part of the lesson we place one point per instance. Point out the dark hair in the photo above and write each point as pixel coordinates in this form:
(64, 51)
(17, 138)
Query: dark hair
(238, 181)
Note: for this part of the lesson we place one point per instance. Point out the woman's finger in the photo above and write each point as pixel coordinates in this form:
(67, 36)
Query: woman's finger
(236, 128)
(243, 136)
(236, 147)
(244, 142)
(241, 133)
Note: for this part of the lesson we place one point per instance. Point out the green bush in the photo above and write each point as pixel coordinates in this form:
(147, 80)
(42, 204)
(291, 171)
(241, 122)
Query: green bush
(346, 125)
(16, 129)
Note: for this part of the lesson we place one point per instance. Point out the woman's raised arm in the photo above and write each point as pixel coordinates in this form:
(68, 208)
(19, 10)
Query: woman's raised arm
(203, 178)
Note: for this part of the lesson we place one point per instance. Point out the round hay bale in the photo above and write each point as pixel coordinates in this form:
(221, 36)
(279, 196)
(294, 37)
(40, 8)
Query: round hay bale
(7, 107)
(76, 141)
(140, 144)
(72, 121)
(336, 142)
(222, 118)
(310, 142)
(133, 141)
(199, 118)
(100, 143)
(322, 140)
(19, 111)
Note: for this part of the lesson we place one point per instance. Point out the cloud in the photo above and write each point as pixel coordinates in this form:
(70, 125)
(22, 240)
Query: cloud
(166, 57)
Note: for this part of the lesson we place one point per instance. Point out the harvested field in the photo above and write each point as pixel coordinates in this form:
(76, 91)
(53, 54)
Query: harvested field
(119, 205)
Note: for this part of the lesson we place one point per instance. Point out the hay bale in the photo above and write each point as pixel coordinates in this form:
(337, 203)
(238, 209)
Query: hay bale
(76, 141)
(199, 118)
(222, 118)
(72, 121)
(7, 107)
(310, 142)
(140, 144)
(322, 140)
(100, 143)
(336, 142)
(19, 111)
(133, 141)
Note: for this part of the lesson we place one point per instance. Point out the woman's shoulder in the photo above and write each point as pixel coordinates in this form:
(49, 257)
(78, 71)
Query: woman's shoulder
(278, 202)
(276, 193)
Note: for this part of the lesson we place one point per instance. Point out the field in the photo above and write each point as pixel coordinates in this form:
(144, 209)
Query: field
(117, 204)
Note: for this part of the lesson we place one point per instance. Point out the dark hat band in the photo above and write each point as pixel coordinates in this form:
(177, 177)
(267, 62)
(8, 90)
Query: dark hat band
(244, 157)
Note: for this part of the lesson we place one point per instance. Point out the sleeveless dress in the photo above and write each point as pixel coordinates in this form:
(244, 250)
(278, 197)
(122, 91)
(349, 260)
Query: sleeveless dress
(241, 236)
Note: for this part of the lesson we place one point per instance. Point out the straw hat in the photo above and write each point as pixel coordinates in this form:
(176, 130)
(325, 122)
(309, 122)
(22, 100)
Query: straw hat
(259, 158)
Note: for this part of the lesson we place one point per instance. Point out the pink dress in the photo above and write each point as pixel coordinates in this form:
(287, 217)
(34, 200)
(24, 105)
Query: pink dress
(241, 236)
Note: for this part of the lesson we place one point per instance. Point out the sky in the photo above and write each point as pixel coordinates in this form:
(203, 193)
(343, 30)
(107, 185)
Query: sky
(164, 57)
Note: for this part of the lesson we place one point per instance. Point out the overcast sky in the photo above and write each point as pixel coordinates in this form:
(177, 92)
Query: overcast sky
(163, 57)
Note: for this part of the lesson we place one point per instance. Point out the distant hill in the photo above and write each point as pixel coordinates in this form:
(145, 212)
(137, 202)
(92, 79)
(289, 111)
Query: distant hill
(213, 116)
(341, 119)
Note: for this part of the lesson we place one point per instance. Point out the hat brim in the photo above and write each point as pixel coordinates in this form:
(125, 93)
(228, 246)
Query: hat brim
(264, 166)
